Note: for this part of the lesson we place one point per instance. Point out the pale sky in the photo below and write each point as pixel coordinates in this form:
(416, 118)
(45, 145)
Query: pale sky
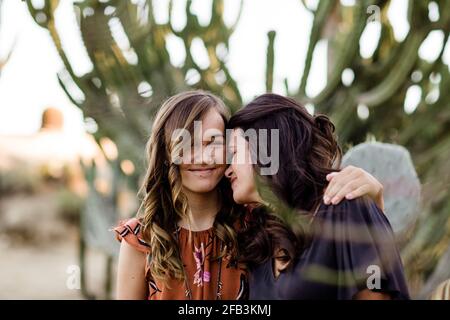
(28, 83)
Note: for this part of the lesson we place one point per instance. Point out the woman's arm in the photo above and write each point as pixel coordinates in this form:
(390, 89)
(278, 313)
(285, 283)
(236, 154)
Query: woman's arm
(131, 283)
(351, 183)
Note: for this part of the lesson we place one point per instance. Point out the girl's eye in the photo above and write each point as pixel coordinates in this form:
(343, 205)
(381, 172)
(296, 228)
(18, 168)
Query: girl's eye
(216, 142)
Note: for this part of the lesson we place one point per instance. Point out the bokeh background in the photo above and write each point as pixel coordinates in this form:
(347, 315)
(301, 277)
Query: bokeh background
(80, 82)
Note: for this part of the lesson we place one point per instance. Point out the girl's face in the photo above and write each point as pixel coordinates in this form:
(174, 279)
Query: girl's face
(202, 170)
(240, 172)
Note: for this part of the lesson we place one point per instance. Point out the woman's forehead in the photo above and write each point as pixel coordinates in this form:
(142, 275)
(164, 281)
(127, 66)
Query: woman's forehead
(236, 137)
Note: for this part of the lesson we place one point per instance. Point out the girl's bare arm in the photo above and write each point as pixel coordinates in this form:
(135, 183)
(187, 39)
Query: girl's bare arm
(131, 283)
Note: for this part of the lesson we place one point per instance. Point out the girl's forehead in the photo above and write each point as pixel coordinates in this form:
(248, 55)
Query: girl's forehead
(210, 125)
(212, 120)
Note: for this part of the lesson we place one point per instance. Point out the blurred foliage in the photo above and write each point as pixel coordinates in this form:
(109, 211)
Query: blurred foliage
(22, 179)
(127, 84)
(28, 178)
(69, 205)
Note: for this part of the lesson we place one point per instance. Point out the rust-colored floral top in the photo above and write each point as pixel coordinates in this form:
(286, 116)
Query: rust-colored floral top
(202, 272)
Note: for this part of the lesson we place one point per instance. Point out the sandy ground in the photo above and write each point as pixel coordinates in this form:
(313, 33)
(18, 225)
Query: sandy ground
(43, 265)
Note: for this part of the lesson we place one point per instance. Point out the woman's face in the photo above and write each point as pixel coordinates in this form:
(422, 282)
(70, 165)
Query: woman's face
(203, 168)
(240, 172)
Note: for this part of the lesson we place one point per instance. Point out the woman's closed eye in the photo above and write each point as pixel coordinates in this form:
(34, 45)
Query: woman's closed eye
(231, 154)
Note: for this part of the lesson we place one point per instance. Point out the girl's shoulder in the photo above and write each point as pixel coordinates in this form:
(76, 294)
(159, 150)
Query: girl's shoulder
(362, 211)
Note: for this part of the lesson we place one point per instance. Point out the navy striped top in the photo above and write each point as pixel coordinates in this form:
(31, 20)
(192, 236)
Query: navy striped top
(352, 248)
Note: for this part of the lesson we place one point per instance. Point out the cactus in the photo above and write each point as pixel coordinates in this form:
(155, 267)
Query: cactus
(270, 60)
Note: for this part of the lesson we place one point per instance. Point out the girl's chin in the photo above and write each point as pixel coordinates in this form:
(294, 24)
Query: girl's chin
(203, 187)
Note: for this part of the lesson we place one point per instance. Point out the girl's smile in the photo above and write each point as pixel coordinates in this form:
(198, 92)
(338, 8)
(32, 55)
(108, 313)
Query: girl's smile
(203, 171)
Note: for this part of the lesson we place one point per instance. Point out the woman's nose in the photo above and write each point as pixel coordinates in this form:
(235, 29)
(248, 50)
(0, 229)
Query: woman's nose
(228, 172)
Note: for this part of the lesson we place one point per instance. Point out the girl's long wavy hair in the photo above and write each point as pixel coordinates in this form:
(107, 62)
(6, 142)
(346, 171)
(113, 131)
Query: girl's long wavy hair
(163, 200)
(308, 151)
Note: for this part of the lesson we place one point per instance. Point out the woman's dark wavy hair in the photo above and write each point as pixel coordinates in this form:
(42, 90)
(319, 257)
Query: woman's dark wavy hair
(308, 151)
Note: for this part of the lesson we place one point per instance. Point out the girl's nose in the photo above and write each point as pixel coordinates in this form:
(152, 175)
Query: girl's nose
(209, 156)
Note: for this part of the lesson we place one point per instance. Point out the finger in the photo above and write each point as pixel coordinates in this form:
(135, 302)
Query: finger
(359, 192)
(330, 178)
(331, 187)
(331, 175)
(336, 177)
(348, 188)
(339, 181)
(347, 174)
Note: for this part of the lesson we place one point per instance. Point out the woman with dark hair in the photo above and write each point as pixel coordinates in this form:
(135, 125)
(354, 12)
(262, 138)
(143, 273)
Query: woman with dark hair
(316, 251)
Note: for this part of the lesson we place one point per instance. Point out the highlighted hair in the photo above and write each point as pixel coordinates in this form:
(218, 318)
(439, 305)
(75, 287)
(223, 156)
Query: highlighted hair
(163, 200)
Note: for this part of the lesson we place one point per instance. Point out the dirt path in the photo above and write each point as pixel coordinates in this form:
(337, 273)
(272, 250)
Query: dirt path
(33, 269)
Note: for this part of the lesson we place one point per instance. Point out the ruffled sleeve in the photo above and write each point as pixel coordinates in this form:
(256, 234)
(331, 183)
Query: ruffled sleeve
(131, 231)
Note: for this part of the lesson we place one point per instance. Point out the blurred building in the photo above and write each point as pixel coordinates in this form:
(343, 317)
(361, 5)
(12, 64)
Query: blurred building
(51, 151)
